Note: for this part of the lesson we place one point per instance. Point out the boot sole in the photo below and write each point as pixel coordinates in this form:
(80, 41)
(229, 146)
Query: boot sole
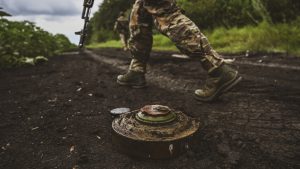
(131, 85)
(230, 86)
(225, 88)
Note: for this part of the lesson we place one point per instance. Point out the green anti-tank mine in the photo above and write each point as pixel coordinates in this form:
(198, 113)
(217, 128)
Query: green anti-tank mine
(155, 132)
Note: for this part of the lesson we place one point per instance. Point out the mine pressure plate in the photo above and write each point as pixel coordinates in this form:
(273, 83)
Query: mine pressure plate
(155, 114)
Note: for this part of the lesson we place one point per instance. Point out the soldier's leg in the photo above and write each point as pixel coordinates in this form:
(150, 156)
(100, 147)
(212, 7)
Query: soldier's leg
(140, 45)
(123, 41)
(189, 39)
(122, 38)
(126, 40)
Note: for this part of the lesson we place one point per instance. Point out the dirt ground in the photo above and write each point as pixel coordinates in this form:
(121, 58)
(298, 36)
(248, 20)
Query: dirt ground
(56, 114)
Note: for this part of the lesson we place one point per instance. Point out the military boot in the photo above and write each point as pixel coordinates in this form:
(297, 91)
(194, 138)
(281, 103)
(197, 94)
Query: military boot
(220, 80)
(135, 77)
(132, 79)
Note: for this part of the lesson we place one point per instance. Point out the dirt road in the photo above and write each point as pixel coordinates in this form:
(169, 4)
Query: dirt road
(56, 115)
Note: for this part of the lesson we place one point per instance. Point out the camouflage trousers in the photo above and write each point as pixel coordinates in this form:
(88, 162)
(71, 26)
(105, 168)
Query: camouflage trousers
(124, 39)
(169, 20)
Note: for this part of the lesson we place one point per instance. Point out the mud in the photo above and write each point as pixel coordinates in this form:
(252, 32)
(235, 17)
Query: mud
(56, 115)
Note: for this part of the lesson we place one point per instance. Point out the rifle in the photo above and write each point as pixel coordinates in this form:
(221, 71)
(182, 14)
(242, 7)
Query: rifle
(87, 6)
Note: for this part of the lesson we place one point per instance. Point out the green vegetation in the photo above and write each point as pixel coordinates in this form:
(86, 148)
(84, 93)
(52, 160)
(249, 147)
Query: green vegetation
(23, 42)
(232, 26)
(102, 23)
(284, 38)
(238, 13)
(107, 44)
(160, 43)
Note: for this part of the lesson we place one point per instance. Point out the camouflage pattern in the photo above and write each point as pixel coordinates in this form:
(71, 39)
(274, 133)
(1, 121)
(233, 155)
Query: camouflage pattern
(122, 27)
(169, 20)
(137, 65)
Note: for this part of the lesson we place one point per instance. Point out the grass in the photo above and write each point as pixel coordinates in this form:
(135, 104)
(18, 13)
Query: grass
(160, 43)
(107, 44)
(280, 38)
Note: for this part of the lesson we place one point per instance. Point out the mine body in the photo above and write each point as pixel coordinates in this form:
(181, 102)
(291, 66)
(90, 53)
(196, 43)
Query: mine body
(155, 132)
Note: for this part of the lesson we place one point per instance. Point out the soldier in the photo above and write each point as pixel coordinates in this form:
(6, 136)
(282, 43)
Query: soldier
(171, 22)
(121, 26)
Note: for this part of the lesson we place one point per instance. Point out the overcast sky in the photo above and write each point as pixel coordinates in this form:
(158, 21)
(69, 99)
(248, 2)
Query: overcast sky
(55, 16)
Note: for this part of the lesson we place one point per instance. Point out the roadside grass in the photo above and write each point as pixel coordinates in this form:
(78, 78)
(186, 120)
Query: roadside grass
(160, 43)
(279, 38)
(107, 44)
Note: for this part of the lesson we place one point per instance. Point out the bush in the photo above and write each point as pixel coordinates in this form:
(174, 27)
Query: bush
(21, 40)
(62, 43)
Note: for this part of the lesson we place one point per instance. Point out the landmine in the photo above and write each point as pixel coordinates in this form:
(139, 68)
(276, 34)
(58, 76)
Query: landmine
(155, 132)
